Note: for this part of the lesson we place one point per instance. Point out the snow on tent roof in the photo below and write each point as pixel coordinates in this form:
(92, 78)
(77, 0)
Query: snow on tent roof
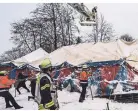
(84, 52)
(78, 54)
(68, 54)
(30, 58)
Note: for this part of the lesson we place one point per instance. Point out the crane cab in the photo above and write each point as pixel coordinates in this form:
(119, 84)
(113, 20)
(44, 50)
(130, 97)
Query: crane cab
(88, 18)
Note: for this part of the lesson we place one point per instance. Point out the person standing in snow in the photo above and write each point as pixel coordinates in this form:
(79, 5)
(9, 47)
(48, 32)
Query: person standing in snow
(83, 82)
(33, 85)
(21, 82)
(5, 85)
(46, 94)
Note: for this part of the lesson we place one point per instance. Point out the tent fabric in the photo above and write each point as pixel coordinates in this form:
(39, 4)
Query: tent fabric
(106, 79)
(111, 63)
(12, 74)
(7, 64)
(33, 58)
(103, 63)
(84, 52)
(81, 53)
(30, 61)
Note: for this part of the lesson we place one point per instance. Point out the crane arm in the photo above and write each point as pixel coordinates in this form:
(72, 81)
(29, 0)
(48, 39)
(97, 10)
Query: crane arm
(87, 18)
(81, 8)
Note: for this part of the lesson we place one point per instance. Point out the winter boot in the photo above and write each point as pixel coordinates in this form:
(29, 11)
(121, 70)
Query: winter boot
(81, 99)
(9, 106)
(18, 107)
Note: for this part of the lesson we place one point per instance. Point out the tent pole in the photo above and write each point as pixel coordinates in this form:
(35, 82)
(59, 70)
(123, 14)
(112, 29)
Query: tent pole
(15, 91)
(109, 99)
(91, 88)
(107, 106)
(91, 92)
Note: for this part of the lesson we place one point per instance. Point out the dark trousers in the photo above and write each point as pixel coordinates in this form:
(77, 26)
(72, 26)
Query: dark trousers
(9, 98)
(33, 85)
(22, 84)
(83, 93)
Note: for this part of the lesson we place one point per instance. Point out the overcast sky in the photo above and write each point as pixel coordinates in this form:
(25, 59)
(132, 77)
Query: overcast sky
(9, 14)
(123, 17)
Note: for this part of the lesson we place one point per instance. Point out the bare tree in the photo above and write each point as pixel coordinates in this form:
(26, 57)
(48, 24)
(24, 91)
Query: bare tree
(20, 36)
(12, 54)
(50, 26)
(127, 37)
(103, 33)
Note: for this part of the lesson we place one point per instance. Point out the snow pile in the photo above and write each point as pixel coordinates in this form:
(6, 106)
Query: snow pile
(69, 101)
(72, 81)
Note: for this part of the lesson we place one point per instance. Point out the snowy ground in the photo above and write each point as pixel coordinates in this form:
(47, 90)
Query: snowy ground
(69, 101)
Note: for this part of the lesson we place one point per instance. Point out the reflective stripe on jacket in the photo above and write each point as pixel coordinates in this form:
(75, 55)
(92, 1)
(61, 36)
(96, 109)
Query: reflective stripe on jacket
(84, 77)
(44, 93)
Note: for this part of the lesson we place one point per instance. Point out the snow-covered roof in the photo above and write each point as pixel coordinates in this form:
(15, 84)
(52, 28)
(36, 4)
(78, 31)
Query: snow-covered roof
(33, 58)
(84, 52)
(78, 54)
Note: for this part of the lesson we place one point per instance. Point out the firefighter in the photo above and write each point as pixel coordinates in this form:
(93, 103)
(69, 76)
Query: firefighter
(83, 82)
(46, 95)
(5, 85)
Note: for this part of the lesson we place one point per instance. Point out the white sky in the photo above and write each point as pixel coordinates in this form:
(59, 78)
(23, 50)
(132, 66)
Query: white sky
(123, 17)
(10, 13)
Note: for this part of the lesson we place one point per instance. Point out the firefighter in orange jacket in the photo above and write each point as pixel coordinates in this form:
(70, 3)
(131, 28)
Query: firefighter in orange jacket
(83, 82)
(5, 84)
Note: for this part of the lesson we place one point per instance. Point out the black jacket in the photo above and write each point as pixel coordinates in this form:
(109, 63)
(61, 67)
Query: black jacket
(46, 93)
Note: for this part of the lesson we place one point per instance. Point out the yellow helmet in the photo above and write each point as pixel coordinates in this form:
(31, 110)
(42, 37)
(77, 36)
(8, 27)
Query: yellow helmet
(46, 63)
(85, 66)
(3, 72)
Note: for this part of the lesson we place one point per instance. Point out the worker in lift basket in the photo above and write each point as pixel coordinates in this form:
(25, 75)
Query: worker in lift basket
(46, 93)
(94, 12)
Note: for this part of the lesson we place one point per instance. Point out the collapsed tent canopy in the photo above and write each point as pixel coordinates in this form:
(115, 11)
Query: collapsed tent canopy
(84, 52)
(30, 59)
(81, 53)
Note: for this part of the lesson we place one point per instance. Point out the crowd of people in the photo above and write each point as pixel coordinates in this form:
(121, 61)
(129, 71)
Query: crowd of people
(43, 87)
